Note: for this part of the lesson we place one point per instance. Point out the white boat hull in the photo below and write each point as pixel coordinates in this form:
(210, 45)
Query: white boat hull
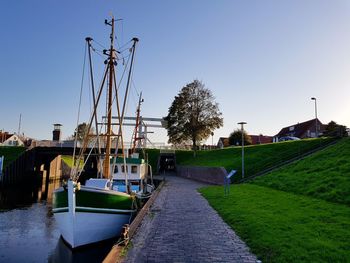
(86, 228)
(90, 215)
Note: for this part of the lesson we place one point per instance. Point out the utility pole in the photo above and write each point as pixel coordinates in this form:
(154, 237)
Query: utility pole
(242, 130)
(316, 129)
(19, 124)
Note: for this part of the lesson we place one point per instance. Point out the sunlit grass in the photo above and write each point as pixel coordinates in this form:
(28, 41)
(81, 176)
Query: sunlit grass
(257, 157)
(299, 213)
(284, 227)
(69, 161)
(325, 175)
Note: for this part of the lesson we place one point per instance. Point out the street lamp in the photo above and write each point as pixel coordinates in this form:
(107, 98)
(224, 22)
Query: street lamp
(242, 130)
(316, 130)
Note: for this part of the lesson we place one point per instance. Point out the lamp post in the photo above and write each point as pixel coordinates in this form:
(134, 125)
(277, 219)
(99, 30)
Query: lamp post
(316, 130)
(242, 130)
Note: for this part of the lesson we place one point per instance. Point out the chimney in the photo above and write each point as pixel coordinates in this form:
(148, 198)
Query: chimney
(56, 133)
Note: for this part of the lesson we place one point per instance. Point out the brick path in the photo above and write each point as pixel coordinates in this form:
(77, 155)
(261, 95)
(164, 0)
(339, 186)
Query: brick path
(182, 227)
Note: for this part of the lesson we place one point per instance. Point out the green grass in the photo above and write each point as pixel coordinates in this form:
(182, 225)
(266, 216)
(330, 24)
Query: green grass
(298, 213)
(257, 157)
(284, 227)
(11, 153)
(324, 175)
(68, 159)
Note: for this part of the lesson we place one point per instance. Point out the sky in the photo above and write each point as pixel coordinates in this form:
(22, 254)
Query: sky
(262, 60)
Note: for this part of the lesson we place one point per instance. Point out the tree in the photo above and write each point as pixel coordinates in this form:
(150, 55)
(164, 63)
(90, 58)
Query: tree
(193, 115)
(81, 131)
(235, 138)
(335, 130)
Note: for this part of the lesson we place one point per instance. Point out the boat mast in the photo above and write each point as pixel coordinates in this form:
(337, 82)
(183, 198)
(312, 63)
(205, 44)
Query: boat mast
(137, 124)
(106, 166)
(88, 41)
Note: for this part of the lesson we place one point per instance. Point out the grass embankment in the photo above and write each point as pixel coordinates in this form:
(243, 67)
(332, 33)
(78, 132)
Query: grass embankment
(292, 223)
(11, 153)
(257, 157)
(324, 175)
(284, 227)
(68, 159)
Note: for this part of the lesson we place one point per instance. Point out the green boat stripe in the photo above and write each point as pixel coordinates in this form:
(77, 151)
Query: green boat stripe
(101, 210)
(60, 209)
(94, 210)
(104, 191)
(95, 198)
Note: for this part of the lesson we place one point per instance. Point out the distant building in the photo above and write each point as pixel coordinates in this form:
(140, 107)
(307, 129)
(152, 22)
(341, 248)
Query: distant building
(223, 142)
(4, 136)
(302, 130)
(256, 139)
(261, 139)
(7, 139)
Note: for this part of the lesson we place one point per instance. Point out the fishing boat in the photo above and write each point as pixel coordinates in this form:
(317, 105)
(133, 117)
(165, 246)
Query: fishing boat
(100, 208)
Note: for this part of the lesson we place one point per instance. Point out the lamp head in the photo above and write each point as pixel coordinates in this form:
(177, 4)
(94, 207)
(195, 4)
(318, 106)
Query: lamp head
(313, 98)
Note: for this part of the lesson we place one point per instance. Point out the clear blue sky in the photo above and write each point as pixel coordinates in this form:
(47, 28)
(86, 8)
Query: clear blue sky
(263, 60)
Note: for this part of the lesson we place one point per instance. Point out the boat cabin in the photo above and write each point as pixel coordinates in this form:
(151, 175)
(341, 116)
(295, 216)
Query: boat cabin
(135, 169)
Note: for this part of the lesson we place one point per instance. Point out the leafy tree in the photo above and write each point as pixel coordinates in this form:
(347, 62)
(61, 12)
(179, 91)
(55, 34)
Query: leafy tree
(335, 130)
(82, 131)
(235, 138)
(193, 115)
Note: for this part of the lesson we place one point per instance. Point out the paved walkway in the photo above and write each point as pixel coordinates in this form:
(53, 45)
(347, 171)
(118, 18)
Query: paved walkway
(182, 227)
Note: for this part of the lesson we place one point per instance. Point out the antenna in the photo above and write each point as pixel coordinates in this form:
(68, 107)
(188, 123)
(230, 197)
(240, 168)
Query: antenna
(19, 124)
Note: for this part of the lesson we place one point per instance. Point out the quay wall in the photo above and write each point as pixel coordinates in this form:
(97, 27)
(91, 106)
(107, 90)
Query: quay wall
(211, 175)
(29, 165)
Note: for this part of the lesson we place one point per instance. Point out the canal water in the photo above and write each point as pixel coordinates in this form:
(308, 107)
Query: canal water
(29, 232)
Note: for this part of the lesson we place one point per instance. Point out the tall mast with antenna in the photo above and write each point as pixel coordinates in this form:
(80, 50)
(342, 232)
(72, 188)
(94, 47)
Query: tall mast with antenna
(137, 124)
(19, 124)
(106, 166)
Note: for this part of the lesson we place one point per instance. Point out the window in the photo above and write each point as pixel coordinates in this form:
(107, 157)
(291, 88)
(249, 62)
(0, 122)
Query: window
(116, 169)
(133, 169)
(123, 168)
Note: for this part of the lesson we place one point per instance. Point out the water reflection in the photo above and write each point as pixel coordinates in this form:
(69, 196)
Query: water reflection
(30, 191)
(92, 253)
(29, 232)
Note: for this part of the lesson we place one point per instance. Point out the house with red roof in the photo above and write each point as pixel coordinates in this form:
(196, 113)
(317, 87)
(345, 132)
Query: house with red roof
(8, 139)
(302, 130)
(261, 139)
